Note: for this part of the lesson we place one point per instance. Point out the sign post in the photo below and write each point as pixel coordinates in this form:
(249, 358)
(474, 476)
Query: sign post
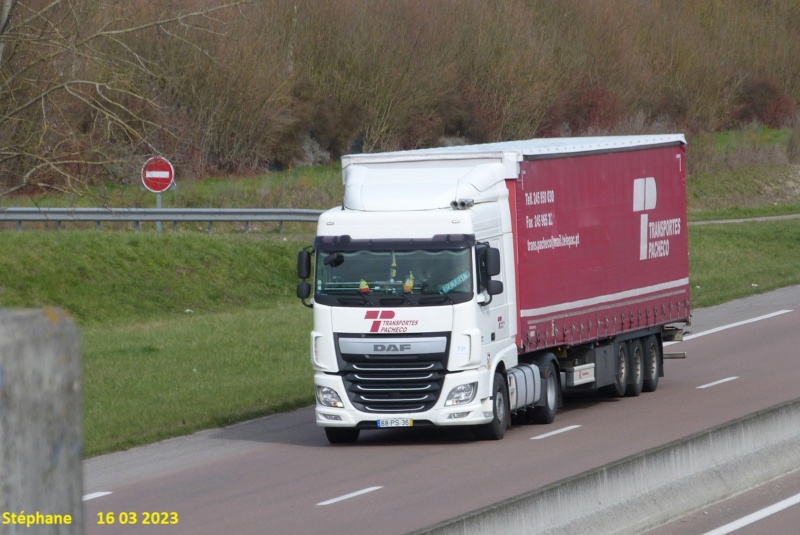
(158, 175)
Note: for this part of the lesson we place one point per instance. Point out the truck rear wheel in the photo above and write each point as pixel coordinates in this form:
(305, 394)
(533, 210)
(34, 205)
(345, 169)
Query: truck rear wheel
(496, 429)
(620, 384)
(652, 364)
(341, 435)
(636, 367)
(547, 413)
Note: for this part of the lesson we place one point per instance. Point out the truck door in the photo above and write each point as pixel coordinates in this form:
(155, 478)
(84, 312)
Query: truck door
(493, 317)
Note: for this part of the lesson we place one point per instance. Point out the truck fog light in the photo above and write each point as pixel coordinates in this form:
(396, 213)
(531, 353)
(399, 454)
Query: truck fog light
(461, 394)
(328, 397)
(457, 415)
(333, 417)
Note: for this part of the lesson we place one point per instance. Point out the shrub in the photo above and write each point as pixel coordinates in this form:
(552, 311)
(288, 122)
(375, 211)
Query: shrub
(763, 101)
(590, 106)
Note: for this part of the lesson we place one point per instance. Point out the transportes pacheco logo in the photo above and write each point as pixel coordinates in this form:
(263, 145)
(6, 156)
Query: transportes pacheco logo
(654, 235)
(383, 321)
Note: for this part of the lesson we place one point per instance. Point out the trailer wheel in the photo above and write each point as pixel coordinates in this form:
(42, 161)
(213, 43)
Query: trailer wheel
(341, 435)
(652, 364)
(620, 384)
(636, 368)
(547, 413)
(496, 429)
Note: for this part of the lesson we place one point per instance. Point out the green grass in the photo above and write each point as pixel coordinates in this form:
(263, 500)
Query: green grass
(734, 260)
(746, 169)
(122, 277)
(148, 381)
(742, 212)
(180, 331)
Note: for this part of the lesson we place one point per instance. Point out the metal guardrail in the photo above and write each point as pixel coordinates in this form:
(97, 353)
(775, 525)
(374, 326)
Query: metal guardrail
(176, 215)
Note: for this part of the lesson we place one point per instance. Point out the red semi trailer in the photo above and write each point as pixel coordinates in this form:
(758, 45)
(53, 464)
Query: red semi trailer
(464, 285)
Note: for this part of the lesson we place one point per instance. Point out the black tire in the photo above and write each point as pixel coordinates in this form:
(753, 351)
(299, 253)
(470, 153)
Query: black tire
(547, 413)
(496, 429)
(652, 364)
(620, 385)
(342, 435)
(635, 369)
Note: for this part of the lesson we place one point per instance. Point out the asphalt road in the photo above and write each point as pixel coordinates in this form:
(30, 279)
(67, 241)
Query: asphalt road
(771, 508)
(279, 475)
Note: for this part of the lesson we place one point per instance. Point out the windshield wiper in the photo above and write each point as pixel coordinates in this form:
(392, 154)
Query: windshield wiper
(354, 301)
(438, 298)
(396, 300)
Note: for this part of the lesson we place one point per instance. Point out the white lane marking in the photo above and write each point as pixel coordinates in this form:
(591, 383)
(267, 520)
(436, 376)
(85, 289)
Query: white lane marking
(348, 496)
(731, 326)
(556, 432)
(715, 383)
(94, 495)
(755, 517)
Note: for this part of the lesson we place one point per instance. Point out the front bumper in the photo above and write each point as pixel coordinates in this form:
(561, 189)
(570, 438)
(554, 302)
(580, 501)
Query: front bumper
(478, 411)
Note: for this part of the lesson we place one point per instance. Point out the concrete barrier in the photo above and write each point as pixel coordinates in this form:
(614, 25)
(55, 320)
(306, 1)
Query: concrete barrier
(41, 429)
(650, 488)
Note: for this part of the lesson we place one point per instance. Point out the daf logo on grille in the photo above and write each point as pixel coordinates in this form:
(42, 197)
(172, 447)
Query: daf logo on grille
(391, 348)
(395, 345)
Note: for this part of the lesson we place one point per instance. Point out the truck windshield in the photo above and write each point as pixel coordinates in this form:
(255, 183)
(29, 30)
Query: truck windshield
(394, 277)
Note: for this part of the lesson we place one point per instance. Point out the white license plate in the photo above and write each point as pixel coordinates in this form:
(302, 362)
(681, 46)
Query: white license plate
(396, 422)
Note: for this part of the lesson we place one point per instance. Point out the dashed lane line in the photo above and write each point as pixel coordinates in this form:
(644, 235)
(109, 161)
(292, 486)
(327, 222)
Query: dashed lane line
(348, 496)
(730, 326)
(715, 383)
(556, 432)
(94, 495)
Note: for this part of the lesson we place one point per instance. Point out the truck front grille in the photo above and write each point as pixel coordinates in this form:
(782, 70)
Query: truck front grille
(393, 374)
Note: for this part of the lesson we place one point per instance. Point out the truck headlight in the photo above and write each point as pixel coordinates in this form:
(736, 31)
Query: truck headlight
(328, 397)
(461, 394)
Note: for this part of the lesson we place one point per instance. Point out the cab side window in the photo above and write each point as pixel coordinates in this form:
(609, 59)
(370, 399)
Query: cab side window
(481, 251)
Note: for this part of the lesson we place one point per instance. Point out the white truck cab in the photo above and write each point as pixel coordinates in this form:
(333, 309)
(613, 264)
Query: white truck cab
(413, 298)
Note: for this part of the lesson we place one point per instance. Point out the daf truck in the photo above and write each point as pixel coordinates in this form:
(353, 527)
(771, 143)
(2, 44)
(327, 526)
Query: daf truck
(476, 285)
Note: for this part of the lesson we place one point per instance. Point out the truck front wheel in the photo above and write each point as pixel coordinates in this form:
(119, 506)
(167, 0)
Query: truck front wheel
(496, 429)
(341, 435)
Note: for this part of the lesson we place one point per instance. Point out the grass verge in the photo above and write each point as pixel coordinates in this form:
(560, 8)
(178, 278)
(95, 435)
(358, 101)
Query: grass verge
(157, 379)
(734, 260)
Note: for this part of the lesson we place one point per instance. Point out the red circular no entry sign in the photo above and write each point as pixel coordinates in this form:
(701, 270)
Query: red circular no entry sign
(157, 174)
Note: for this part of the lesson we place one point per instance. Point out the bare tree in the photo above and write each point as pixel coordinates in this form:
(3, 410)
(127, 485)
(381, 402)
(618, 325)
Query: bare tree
(80, 90)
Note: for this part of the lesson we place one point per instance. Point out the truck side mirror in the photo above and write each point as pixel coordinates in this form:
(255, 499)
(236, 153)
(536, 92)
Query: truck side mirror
(303, 272)
(493, 261)
(303, 290)
(494, 287)
(303, 264)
